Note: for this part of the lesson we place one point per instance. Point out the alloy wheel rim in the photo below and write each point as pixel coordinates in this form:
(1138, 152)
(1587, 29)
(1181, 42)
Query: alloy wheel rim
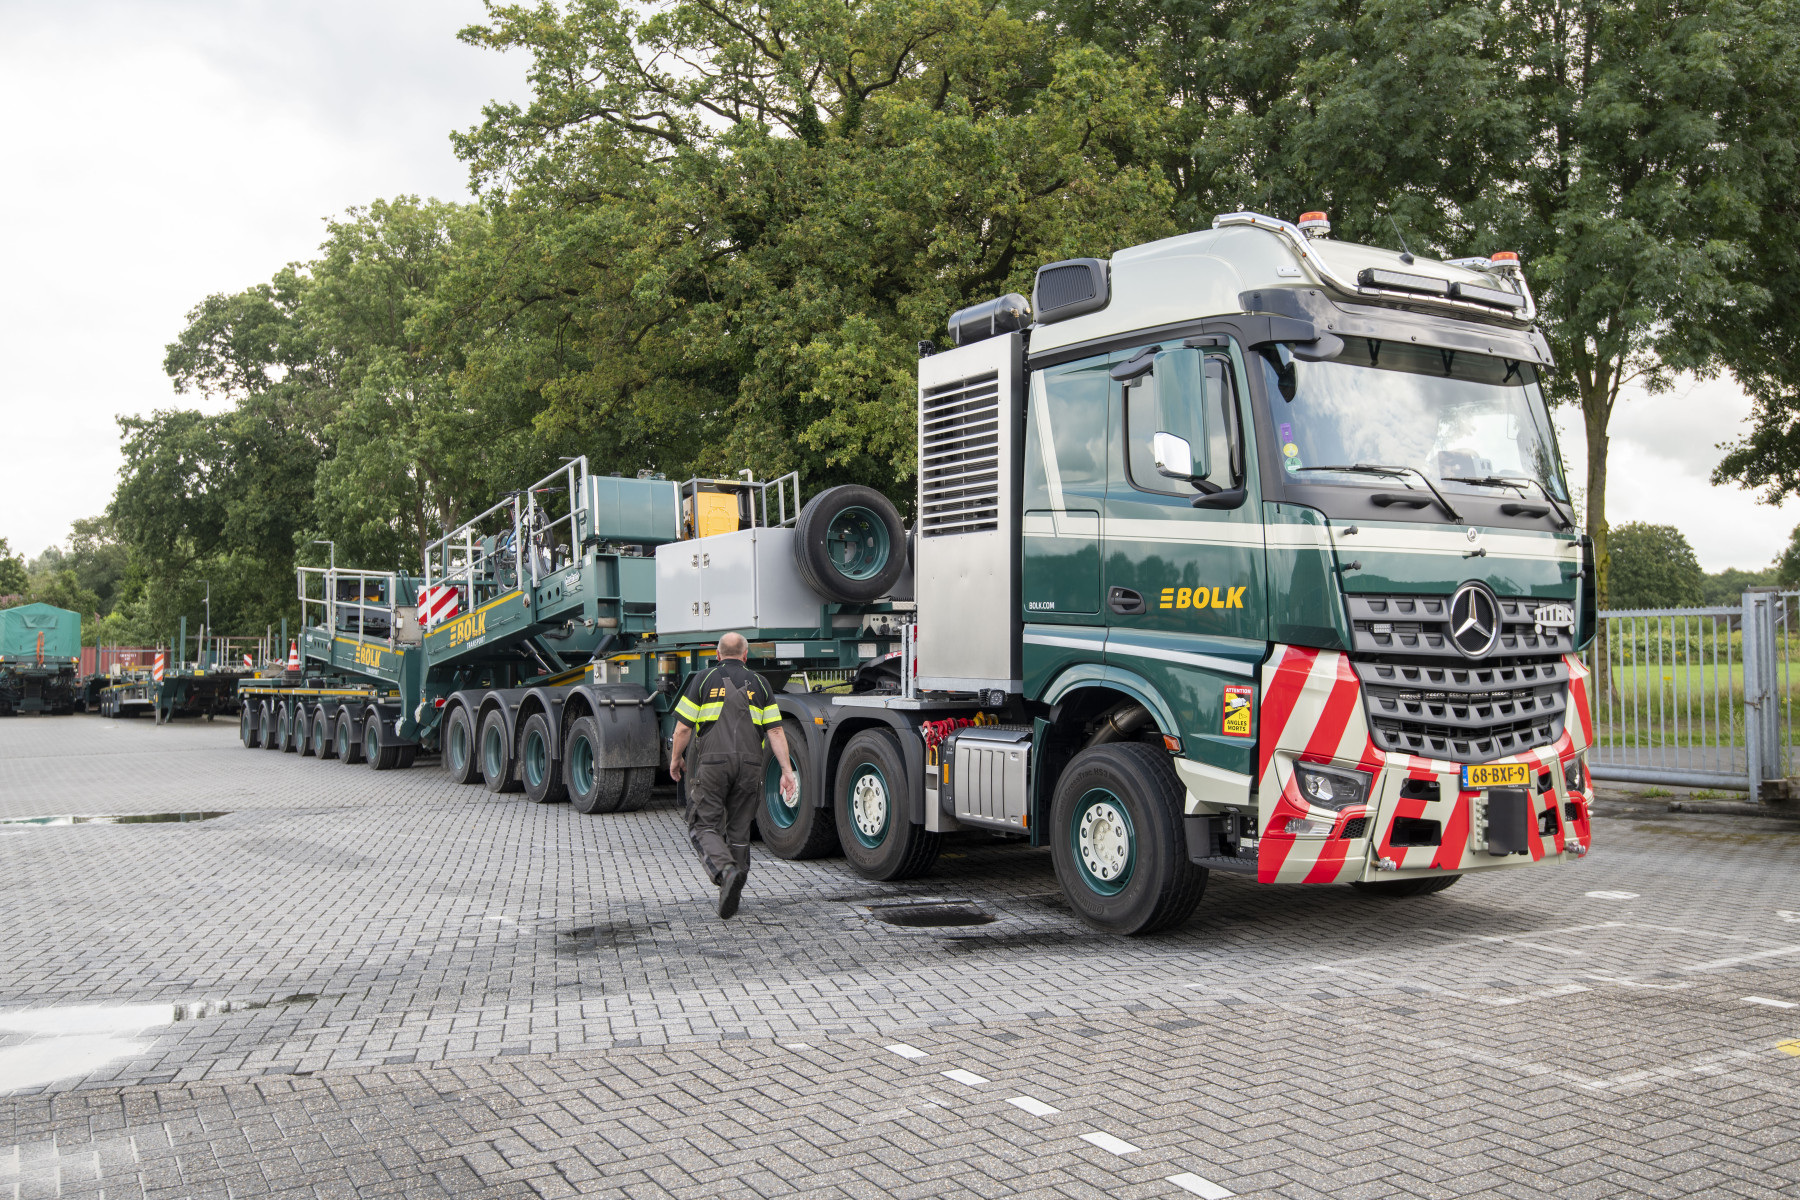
(869, 805)
(1104, 841)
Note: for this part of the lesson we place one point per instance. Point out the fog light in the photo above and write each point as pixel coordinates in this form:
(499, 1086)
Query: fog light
(1331, 787)
(1301, 827)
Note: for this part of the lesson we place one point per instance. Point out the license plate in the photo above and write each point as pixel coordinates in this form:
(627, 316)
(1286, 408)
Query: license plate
(1493, 775)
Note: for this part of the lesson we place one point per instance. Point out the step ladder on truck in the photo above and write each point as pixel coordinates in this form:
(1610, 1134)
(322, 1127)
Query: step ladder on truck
(1245, 550)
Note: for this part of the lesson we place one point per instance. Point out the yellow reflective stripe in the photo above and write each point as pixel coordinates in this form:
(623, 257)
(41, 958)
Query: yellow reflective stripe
(685, 709)
(765, 716)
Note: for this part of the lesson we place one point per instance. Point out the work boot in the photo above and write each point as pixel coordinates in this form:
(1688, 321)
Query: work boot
(731, 886)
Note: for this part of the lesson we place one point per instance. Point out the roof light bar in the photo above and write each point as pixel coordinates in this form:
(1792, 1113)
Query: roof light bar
(1487, 295)
(1402, 281)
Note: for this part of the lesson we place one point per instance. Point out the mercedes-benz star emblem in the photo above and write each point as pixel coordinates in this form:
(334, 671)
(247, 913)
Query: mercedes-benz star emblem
(1474, 620)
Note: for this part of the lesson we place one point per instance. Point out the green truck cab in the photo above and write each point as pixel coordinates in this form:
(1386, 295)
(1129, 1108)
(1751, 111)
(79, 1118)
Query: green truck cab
(1246, 550)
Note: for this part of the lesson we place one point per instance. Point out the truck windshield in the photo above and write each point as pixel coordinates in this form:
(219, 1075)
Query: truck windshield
(1449, 414)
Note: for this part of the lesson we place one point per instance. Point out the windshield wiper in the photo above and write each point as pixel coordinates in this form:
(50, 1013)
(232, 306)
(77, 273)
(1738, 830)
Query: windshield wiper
(1396, 473)
(1563, 520)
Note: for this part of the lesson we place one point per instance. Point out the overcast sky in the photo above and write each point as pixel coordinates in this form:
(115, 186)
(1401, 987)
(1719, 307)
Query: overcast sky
(161, 150)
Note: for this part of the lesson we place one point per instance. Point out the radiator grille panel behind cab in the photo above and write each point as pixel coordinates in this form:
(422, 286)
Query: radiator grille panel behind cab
(959, 456)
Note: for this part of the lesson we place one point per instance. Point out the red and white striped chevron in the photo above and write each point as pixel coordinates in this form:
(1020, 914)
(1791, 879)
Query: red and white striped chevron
(1312, 711)
(438, 603)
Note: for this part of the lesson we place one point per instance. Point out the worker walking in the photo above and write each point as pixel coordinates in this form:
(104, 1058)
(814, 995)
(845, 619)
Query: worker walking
(720, 723)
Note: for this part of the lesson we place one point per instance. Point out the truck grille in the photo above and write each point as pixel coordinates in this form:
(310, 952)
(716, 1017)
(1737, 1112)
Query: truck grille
(959, 456)
(1461, 710)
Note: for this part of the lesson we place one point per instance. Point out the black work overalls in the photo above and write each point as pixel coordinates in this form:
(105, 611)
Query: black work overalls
(725, 783)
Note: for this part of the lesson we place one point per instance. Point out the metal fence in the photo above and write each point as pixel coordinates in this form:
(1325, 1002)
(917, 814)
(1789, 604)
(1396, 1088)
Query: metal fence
(1697, 696)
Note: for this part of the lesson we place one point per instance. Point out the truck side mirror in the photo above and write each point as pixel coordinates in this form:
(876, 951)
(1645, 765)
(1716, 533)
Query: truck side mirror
(1173, 456)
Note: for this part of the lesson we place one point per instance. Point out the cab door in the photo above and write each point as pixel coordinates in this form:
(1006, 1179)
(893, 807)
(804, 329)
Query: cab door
(1183, 586)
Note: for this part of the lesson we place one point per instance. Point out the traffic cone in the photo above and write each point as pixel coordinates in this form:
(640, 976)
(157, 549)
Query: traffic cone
(293, 656)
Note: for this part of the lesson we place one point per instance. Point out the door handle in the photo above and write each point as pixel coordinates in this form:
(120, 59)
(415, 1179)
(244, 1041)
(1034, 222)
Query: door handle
(1124, 601)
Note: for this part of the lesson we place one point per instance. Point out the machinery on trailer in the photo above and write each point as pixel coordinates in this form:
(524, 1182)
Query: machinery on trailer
(40, 651)
(1245, 550)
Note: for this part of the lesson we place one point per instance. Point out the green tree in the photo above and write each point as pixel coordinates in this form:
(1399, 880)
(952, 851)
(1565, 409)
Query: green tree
(1727, 587)
(723, 227)
(13, 577)
(1654, 567)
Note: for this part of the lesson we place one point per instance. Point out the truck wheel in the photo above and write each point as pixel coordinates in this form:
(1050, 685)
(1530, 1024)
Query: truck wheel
(799, 830)
(1405, 887)
(849, 544)
(878, 840)
(541, 771)
(247, 726)
(325, 739)
(459, 746)
(495, 752)
(311, 731)
(591, 788)
(265, 727)
(636, 788)
(290, 724)
(347, 737)
(1117, 841)
(382, 758)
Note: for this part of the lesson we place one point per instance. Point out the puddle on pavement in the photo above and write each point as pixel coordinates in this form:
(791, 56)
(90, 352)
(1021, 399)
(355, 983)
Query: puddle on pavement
(948, 914)
(121, 819)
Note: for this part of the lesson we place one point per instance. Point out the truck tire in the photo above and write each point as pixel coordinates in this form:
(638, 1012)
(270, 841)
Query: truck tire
(495, 752)
(289, 724)
(265, 727)
(591, 788)
(325, 739)
(459, 746)
(849, 544)
(801, 830)
(383, 757)
(347, 737)
(1405, 887)
(247, 727)
(311, 730)
(870, 811)
(539, 769)
(1117, 840)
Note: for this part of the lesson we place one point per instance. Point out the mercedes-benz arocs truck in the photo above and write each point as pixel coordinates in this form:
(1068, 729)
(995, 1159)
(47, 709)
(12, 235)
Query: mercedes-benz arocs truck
(1246, 550)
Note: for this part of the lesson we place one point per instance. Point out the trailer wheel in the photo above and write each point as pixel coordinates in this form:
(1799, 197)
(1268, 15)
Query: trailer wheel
(312, 730)
(291, 714)
(800, 830)
(1396, 888)
(247, 726)
(591, 788)
(849, 544)
(459, 746)
(408, 752)
(635, 792)
(347, 738)
(325, 739)
(1117, 841)
(381, 757)
(265, 727)
(878, 840)
(496, 755)
(541, 771)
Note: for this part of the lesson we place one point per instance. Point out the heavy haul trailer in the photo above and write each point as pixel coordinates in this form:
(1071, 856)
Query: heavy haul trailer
(40, 654)
(546, 671)
(1249, 552)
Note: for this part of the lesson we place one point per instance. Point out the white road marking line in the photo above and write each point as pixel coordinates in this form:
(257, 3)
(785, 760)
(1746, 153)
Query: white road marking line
(906, 1051)
(962, 1076)
(1612, 895)
(1189, 1182)
(1792, 918)
(1742, 958)
(1109, 1143)
(795, 1046)
(1036, 1108)
(1769, 1002)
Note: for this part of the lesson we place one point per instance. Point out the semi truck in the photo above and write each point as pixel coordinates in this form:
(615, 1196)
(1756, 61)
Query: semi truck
(40, 652)
(1248, 550)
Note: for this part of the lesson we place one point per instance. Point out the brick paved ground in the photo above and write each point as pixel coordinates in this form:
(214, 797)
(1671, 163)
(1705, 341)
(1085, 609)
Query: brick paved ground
(396, 986)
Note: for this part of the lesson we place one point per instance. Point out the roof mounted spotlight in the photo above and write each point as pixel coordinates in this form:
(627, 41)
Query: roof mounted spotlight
(1315, 224)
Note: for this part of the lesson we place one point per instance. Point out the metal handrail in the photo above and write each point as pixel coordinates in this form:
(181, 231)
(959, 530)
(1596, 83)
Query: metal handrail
(1300, 241)
(328, 601)
(456, 559)
(786, 489)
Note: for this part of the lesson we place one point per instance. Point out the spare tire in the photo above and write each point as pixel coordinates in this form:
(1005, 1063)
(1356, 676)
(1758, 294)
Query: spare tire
(850, 545)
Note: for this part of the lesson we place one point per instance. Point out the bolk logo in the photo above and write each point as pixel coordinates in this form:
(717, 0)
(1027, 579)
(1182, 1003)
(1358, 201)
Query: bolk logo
(1474, 620)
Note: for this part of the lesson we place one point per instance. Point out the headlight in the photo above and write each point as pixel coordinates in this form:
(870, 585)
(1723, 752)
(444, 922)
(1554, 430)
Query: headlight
(1572, 775)
(1331, 787)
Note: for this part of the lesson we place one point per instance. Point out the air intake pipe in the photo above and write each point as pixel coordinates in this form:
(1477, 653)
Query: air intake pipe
(1122, 724)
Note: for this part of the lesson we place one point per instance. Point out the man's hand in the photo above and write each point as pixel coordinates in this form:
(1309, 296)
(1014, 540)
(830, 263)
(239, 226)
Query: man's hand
(790, 786)
(675, 765)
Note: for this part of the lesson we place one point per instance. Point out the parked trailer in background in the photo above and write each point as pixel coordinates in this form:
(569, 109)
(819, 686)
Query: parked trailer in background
(1251, 552)
(40, 652)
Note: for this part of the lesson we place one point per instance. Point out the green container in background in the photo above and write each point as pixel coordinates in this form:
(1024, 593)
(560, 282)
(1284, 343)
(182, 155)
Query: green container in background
(21, 626)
